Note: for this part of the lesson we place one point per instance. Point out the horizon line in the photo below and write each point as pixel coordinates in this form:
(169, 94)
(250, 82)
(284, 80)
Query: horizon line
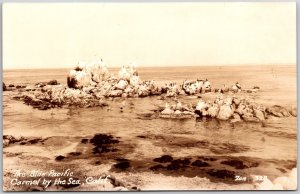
(162, 66)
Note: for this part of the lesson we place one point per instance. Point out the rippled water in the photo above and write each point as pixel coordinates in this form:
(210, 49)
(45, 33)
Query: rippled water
(272, 145)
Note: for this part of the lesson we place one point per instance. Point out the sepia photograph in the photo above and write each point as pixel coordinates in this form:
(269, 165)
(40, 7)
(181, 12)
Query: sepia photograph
(149, 96)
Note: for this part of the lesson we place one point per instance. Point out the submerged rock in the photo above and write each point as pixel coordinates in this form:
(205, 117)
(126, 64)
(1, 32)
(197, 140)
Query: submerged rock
(199, 163)
(222, 174)
(293, 111)
(59, 158)
(52, 82)
(103, 143)
(122, 165)
(237, 164)
(4, 87)
(163, 159)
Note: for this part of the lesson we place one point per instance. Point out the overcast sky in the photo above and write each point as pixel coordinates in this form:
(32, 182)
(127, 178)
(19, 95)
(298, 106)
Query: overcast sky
(52, 35)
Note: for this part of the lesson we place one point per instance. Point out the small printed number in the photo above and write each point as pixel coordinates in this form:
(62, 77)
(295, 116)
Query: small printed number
(260, 178)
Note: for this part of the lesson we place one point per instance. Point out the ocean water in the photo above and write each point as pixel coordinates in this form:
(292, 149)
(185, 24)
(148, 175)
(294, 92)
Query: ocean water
(272, 146)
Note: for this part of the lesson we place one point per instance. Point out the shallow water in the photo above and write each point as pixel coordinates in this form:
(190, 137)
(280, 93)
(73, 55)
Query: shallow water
(272, 145)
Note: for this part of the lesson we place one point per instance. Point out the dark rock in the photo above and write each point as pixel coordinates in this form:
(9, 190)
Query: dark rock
(102, 143)
(36, 103)
(85, 141)
(173, 166)
(34, 140)
(101, 139)
(97, 162)
(11, 85)
(101, 149)
(75, 153)
(222, 174)
(207, 158)
(4, 87)
(163, 159)
(59, 158)
(122, 160)
(141, 136)
(281, 170)
(200, 163)
(72, 82)
(52, 82)
(122, 165)
(157, 167)
(181, 162)
(238, 164)
(10, 138)
(41, 84)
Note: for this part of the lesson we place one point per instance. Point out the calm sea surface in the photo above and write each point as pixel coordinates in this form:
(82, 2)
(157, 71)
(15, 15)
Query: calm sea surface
(276, 141)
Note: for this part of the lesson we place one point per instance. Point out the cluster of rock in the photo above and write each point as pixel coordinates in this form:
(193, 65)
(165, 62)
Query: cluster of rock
(88, 85)
(9, 139)
(97, 76)
(177, 110)
(128, 84)
(59, 96)
(235, 88)
(227, 108)
(196, 87)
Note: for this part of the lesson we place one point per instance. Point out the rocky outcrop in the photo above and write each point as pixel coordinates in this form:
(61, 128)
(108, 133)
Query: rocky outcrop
(84, 75)
(52, 97)
(9, 139)
(79, 78)
(226, 108)
(196, 87)
(171, 90)
(89, 85)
